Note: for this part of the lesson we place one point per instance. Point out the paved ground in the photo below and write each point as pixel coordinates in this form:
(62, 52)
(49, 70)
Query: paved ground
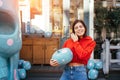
(53, 73)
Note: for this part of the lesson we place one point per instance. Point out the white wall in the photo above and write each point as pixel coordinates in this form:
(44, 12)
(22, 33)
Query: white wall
(46, 15)
(42, 21)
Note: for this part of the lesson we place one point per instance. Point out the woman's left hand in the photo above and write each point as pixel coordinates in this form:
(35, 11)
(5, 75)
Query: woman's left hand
(54, 63)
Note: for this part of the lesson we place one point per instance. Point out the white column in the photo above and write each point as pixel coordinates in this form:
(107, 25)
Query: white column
(66, 24)
(86, 13)
(91, 20)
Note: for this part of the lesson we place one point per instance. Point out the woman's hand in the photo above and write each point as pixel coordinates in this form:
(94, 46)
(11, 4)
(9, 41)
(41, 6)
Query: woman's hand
(74, 37)
(54, 63)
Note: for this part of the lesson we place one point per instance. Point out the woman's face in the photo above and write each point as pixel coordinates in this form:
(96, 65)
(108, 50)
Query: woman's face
(79, 29)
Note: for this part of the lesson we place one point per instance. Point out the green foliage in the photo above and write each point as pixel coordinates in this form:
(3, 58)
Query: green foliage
(114, 17)
(100, 16)
(107, 17)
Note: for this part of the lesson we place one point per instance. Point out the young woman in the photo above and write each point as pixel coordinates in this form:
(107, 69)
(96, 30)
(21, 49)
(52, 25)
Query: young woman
(82, 46)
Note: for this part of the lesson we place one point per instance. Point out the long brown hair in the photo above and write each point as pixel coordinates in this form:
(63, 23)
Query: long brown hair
(75, 22)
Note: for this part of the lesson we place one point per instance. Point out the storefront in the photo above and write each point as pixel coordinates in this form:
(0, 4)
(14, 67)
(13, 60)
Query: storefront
(56, 17)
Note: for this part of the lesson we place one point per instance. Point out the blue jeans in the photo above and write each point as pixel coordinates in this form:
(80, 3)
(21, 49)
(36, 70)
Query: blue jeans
(74, 73)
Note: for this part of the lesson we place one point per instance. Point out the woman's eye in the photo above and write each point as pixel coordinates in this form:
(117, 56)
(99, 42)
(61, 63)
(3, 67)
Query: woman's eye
(76, 27)
(80, 26)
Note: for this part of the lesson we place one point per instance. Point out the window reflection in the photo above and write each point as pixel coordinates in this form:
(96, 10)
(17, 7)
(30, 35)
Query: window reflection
(35, 7)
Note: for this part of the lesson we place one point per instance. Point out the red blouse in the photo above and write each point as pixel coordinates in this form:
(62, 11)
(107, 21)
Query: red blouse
(81, 49)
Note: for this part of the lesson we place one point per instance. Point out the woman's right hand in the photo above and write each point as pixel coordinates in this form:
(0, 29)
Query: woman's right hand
(74, 37)
(53, 63)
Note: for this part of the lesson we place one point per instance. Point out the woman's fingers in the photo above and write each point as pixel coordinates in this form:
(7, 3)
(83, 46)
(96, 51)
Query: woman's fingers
(74, 37)
(53, 63)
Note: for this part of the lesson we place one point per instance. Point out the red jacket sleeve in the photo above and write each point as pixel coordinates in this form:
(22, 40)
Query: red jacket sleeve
(84, 52)
(68, 43)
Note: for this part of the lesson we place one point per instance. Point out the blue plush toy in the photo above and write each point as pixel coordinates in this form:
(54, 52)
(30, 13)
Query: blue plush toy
(63, 56)
(10, 41)
(90, 64)
(99, 65)
(93, 74)
(93, 67)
